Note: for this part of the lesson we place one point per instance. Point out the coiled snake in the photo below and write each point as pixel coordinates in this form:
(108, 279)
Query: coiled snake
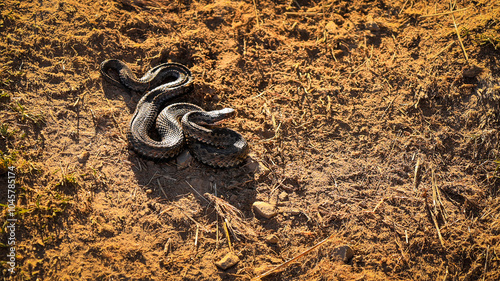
(178, 123)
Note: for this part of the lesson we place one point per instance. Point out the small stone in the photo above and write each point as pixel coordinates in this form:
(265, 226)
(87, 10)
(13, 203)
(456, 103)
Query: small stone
(106, 230)
(254, 166)
(343, 253)
(264, 209)
(331, 27)
(283, 196)
(84, 157)
(272, 239)
(227, 261)
(184, 160)
(149, 191)
(295, 212)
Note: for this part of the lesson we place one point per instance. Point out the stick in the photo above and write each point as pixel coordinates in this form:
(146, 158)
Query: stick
(437, 227)
(434, 195)
(189, 217)
(486, 262)
(460, 38)
(290, 260)
(166, 248)
(416, 178)
(196, 238)
(303, 14)
(256, 14)
(378, 204)
(446, 274)
(442, 50)
(389, 106)
(444, 13)
(196, 191)
(403, 7)
(227, 235)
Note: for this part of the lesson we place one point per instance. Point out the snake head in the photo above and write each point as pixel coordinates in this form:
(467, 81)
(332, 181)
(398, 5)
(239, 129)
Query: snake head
(227, 112)
(214, 117)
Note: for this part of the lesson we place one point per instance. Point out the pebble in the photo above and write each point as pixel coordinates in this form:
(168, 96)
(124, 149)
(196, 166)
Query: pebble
(84, 157)
(184, 160)
(331, 27)
(272, 239)
(283, 196)
(254, 166)
(343, 253)
(227, 261)
(264, 209)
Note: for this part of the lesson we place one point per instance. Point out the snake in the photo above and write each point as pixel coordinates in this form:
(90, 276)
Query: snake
(179, 125)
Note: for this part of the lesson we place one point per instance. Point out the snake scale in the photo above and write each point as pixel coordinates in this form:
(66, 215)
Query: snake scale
(179, 125)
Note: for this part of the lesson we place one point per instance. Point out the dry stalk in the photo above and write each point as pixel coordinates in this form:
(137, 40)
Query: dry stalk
(227, 235)
(267, 273)
(436, 225)
(189, 217)
(199, 194)
(486, 262)
(232, 217)
(444, 13)
(416, 176)
(256, 14)
(442, 50)
(460, 38)
(436, 199)
(378, 204)
(303, 14)
(196, 237)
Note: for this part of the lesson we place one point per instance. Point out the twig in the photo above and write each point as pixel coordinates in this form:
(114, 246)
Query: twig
(403, 7)
(442, 50)
(166, 248)
(189, 217)
(378, 204)
(460, 38)
(444, 13)
(446, 274)
(196, 237)
(395, 49)
(232, 216)
(436, 199)
(303, 14)
(163, 191)
(256, 14)
(290, 260)
(416, 176)
(199, 194)
(437, 227)
(227, 236)
(434, 195)
(486, 262)
(389, 106)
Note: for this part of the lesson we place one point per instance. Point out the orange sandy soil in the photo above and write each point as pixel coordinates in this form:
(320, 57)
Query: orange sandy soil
(369, 123)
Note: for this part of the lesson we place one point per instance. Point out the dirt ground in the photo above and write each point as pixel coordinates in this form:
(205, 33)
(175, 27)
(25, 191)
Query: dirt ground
(372, 124)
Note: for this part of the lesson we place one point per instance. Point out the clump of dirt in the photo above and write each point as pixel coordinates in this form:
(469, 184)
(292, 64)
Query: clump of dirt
(373, 123)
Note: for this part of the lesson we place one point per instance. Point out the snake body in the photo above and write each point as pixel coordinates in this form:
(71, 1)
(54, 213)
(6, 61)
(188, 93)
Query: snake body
(217, 147)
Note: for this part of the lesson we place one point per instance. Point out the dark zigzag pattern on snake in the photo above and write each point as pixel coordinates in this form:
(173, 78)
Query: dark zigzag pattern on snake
(218, 147)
